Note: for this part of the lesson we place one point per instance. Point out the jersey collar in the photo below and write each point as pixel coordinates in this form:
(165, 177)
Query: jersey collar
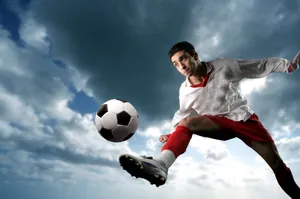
(208, 68)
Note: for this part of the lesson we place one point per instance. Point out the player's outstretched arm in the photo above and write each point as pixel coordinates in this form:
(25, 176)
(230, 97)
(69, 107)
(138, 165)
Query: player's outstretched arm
(257, 68)
(295, 63)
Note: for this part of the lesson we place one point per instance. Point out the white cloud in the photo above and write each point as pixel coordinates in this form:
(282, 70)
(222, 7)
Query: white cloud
(216, 40)
(217, 179)
(151, 131)
(34, 34)
(38, 128)
(15, 111)
(151, 145)
(152, 134)
(209, 148)
(253, 85)
(289, 145)
(154, 131)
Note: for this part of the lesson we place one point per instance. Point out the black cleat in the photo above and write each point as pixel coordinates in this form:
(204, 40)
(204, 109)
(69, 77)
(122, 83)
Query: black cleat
(145, 167)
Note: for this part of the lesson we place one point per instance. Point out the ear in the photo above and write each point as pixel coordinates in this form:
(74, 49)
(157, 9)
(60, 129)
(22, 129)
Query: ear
(196, 56)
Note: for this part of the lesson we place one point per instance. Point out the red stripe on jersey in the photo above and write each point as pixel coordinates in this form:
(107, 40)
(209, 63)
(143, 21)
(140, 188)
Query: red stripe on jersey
(203, 83)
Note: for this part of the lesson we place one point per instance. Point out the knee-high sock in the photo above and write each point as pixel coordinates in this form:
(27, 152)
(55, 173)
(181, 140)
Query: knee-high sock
(178, 141)
(286, 181)
(176, 145)
(167, 157)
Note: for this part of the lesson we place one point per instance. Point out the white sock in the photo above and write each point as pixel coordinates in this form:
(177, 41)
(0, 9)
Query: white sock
(167, 157)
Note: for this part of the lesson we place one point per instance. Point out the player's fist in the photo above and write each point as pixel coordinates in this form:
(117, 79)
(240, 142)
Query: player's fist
(296, 61)
(163, 138)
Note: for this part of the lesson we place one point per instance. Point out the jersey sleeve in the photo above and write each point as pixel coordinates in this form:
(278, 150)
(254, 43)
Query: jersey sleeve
(257, 68)
(182, 112)
(177, 117)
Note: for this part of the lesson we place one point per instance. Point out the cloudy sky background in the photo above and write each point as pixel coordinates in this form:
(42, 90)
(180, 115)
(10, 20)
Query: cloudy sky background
(60, 59)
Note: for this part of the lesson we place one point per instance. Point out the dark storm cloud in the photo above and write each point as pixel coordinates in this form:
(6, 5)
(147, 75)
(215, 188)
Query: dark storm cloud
(290, 147)
(271, 30)
(248, 29)
(258, 29)
(122, 45)
(278, 103)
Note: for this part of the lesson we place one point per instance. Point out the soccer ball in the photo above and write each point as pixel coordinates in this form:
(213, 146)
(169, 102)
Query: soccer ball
(116, 120)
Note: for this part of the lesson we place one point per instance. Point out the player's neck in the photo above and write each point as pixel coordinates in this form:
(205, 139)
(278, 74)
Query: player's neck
(199, 77)
(194, 80)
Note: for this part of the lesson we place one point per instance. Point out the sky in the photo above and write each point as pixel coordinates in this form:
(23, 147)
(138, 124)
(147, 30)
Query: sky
(61, 59)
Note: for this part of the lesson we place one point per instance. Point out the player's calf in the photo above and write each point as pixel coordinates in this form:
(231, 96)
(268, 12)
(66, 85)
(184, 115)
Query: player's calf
(284, 176)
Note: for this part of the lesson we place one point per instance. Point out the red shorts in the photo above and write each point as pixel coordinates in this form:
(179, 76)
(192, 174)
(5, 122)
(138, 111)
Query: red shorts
(247, 131)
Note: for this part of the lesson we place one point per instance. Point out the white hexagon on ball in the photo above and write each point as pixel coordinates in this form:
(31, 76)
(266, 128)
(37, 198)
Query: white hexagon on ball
(115, 106)
(98, 122)
(109, 120)
(130, 109)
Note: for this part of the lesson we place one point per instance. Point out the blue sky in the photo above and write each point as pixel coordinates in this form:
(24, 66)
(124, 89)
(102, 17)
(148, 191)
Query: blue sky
(60, 60)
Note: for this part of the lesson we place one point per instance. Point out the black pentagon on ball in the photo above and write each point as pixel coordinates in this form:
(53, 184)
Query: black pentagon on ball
(123, 118)
(102, 110)
(107, 134)
(122, 100)
(128, 136)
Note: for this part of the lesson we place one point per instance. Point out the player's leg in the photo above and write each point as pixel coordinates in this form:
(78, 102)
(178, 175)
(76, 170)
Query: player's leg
(269, 152)
(196, 125)
(155, 170)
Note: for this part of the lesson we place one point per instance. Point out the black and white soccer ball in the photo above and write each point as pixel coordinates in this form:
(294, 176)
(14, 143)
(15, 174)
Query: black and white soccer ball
(116, 120)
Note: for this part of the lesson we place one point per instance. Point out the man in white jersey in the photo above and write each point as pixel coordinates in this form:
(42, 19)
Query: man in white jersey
(211, 106)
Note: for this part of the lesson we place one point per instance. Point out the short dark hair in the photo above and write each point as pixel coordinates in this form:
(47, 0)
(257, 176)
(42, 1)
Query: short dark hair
(183, 45)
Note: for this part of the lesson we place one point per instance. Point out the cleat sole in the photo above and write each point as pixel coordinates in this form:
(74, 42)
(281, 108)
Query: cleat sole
(135, 169)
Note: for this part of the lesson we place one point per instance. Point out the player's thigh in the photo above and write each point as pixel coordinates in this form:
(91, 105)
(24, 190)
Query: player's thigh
(205, 127)
(268, 151)
(199, 123)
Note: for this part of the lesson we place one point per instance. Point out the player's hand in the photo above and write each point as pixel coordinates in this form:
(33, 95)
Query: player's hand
(296, 61)
(163, 138)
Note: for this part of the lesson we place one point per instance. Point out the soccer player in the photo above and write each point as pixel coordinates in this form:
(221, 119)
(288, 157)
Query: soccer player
(211, 106)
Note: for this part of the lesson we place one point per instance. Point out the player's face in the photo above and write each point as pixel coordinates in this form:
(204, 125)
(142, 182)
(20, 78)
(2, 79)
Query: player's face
(184, 63)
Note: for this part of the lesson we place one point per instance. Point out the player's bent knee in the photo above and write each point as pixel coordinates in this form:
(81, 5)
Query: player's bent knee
(184, 122)
(194, 123)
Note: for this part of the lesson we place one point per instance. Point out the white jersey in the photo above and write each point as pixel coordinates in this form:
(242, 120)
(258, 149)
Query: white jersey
(221, 96)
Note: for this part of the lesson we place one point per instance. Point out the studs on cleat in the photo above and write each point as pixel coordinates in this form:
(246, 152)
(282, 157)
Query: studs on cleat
(139, 165)
(135, 167)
